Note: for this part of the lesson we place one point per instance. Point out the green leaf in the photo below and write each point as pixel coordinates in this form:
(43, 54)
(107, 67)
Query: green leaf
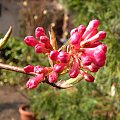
(4, 40)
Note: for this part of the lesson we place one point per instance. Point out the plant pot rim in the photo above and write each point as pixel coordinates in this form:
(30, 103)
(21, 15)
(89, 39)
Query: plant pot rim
(22, 110)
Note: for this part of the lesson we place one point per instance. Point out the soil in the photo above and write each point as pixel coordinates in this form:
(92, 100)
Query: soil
(10, 100)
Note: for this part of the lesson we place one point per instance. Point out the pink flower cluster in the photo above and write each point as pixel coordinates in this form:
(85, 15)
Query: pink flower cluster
(85, 54)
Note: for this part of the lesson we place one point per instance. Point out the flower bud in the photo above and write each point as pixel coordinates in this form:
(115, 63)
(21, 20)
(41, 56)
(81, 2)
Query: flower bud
(46, 41)
(91, 26)
(39, 32)
(97, 54)
(75, 69)
(87, 77)
(63, 57)
(54, 55)
(59, 67)
(75, 39)
(102, 47)
(40, 48)
(92, 67)
(95, 44)
(94, 32)
(100, 57)
(30, 41)
(73, 31)
(39, 69)
(99, 36)
(29, 68)
(33, 82)
(86, 60)
(81, 29)
(52, 77)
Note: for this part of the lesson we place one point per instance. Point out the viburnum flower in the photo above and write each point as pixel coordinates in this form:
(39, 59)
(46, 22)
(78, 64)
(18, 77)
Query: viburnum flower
(84, 54)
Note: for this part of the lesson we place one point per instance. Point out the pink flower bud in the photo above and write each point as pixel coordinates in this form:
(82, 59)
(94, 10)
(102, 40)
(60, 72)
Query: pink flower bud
(52, 77)
(94, 32)
(75, 69)
(39, 32)
(99, 36)
(40, 48)
(59, 67)
(86, 60)
(46, 41)
(97, 54)
(95, 44)
(63, 57)
(29, 68)
(54, 55)
(75, 39)
(102, 47)
(76, 36)
(33, 82)
(87, 77)
(92, 25)
(100, 57)
(30, 41)
(39, 69)
(81, 29)
(92, 67)
(73, 31)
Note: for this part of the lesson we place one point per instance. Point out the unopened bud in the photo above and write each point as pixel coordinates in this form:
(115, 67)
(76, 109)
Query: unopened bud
(39, 32)
(29, 68)
(54, 55)
(30, 41)
(52, 77)
(33, 82)
(63, 57)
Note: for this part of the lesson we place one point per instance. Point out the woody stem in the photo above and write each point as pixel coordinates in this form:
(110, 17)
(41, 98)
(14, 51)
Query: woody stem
(20, 70)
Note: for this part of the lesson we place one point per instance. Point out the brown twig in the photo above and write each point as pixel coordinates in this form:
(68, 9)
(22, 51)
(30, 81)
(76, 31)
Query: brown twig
(60, 84)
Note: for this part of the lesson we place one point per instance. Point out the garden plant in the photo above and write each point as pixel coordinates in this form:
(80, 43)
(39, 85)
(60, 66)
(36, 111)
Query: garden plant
(96, 101)
(82, 53)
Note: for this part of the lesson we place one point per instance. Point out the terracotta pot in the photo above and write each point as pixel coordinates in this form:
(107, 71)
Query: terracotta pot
(25, 113)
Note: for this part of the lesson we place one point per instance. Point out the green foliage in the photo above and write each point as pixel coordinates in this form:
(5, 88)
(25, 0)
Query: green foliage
(80, 103)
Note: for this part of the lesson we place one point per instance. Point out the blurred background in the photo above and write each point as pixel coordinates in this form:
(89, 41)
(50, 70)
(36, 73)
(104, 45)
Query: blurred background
(86, 101)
